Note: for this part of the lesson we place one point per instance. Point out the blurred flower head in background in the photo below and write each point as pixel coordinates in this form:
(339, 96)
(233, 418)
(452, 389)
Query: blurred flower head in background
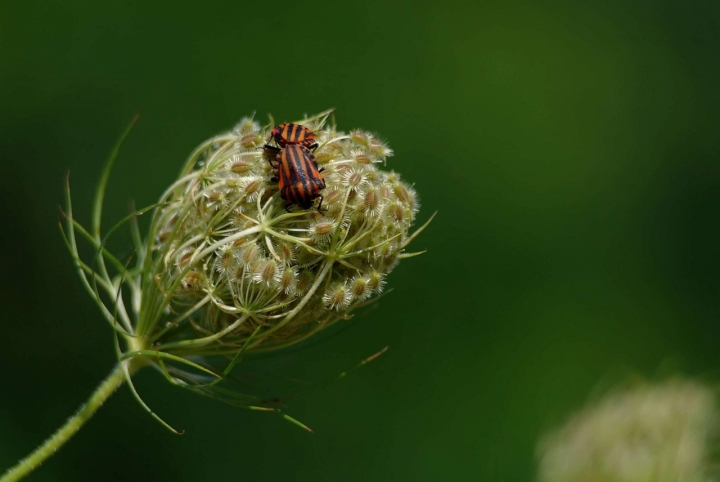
(650, 433)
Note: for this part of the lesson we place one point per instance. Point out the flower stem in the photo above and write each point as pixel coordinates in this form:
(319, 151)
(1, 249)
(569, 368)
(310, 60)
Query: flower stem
(63, 434)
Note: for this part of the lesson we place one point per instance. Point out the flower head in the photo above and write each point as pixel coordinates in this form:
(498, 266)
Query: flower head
(336, 259)
(228, 268)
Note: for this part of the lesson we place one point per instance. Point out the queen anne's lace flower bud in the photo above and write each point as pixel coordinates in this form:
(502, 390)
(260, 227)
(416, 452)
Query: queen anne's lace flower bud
(240, 270)
(227, 268)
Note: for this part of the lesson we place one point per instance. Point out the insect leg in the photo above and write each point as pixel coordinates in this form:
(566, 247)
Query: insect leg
(271, 153)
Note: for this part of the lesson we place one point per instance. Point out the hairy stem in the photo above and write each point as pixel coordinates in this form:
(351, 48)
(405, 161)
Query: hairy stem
(64, 433)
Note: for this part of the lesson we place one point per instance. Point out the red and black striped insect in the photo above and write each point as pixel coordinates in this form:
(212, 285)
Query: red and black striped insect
(289, 133)
(294, 166)
(298, 176)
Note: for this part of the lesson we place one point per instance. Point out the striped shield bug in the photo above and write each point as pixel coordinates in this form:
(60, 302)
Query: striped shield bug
(289, 133)
(297, 175)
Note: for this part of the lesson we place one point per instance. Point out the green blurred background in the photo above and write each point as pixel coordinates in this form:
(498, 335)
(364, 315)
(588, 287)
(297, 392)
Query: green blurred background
(571, 149)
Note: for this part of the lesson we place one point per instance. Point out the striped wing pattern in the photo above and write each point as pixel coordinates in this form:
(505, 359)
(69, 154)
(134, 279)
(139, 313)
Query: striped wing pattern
(289, 133)
(299, 180)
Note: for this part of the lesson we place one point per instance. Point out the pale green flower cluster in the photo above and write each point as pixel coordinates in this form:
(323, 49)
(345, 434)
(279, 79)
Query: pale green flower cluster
(652, 433)
(233, 269)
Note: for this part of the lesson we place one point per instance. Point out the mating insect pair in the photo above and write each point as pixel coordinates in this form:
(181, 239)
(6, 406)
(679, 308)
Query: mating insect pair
(294, 165)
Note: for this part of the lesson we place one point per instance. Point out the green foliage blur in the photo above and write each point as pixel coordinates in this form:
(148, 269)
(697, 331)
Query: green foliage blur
(571, 149)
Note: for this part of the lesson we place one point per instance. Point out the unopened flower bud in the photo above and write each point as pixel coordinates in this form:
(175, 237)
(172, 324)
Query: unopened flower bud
(230, 267)
(337, 297)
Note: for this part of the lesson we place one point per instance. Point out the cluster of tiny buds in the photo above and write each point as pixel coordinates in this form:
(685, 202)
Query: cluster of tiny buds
(232, 246)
